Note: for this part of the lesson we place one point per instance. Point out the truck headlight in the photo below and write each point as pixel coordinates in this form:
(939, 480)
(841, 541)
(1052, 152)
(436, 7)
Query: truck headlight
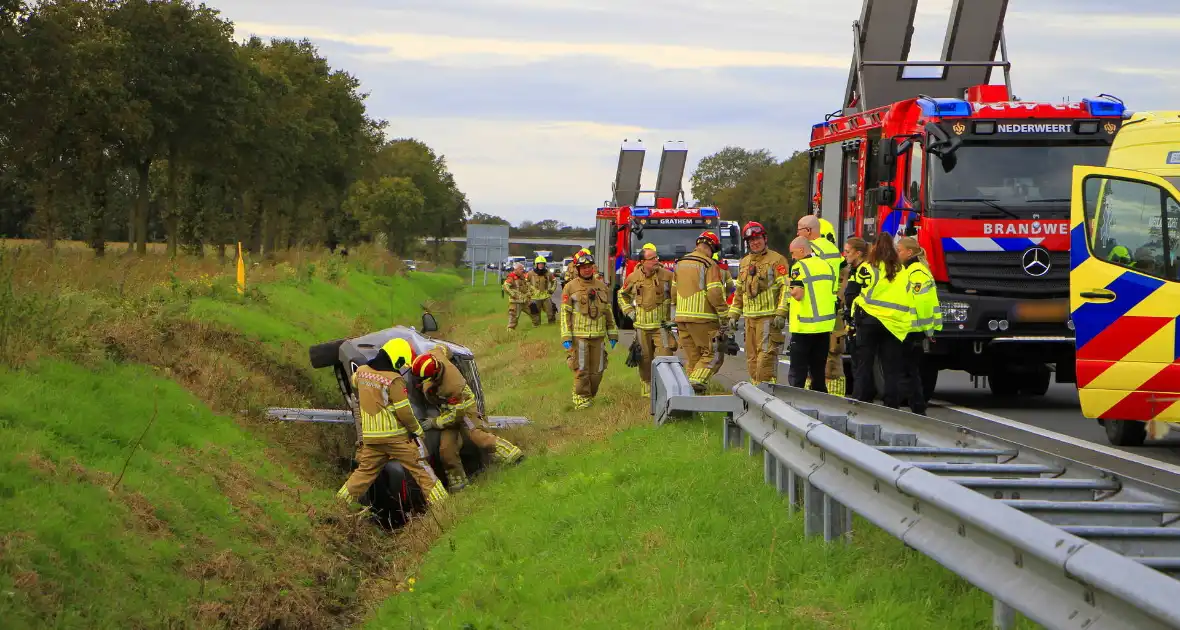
(955, 311)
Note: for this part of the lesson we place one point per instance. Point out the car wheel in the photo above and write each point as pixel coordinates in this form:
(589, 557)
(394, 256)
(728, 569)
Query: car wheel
(1125, 432)
(323, 355)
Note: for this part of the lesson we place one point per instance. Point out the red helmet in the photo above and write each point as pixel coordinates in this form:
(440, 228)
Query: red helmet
(425, 366)
(752, 229)
(711, 239)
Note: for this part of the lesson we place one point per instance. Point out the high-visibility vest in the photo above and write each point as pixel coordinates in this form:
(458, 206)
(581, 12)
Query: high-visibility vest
(827, 231)
(888, 300)
(829, 253)
(927, 311)
(816, 312)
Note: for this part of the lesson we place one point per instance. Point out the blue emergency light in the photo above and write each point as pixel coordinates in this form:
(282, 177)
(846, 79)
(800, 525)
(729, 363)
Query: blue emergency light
(641, 212)
(1104, 107)
(944, 107)
(708, 212)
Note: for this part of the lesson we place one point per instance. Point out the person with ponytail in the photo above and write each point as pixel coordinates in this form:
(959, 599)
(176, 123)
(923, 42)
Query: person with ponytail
(927, 319)
(882, 314)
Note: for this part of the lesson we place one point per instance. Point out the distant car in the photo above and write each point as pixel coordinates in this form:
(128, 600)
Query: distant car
(411, 265)
(510, 262)
(555, 267)
(395, 495)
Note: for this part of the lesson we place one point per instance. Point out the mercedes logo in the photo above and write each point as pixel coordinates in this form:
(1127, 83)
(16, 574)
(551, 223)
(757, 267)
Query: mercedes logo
(1036, 262)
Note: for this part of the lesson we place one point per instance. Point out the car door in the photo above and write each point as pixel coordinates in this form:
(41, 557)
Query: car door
(1124, 294)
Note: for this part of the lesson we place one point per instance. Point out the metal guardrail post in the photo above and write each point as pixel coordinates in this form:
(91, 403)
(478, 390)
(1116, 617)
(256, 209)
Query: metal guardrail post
(672, 396)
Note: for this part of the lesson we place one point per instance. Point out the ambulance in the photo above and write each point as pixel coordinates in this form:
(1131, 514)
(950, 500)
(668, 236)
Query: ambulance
(1125, 280)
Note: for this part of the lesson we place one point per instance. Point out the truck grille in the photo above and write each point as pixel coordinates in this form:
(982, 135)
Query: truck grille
(1002, 273)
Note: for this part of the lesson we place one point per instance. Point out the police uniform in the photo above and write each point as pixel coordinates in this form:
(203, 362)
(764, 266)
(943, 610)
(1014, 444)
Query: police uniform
(761, 281)
(647, 300)
(812, 320)
(541, 286)
(882, 313)
(517, 288)
(587, 320)
(700, 304)
(927, 319)
(458, 420)
(389, 432)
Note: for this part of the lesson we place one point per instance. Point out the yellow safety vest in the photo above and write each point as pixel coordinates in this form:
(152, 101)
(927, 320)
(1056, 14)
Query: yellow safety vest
(927, 312)
(888, 301)
(816, 313)
(829, 253)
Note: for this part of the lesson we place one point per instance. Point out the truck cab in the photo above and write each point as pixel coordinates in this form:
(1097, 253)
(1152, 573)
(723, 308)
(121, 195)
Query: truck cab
(1125, 280)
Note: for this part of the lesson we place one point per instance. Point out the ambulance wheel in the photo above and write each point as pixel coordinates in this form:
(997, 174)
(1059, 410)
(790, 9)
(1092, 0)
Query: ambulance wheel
(1125, 432)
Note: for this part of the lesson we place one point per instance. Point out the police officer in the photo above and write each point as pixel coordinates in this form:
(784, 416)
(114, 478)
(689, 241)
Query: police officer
(646, 298)
(810, 226)
(812, 315)
(587, 318)
(927, 320)
(762, 278)
(388, 428)
(517, 288)
(882, 313)
(843, 338)
(701, 310)
(459, 421)
(541, 284)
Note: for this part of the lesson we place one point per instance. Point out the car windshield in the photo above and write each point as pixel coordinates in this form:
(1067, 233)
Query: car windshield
(671, 243)
(1026, 177)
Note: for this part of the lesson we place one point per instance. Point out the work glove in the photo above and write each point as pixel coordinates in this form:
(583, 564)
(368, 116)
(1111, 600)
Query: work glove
(779, 322)
(567, 344)
(612, 343)
(427, 424)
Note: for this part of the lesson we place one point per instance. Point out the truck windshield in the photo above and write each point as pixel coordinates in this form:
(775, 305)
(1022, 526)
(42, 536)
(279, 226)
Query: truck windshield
(670, 242)
(1020, 176)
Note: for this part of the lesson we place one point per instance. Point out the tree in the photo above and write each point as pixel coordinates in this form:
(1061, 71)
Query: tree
(391, 205)
(489, 219)
(775, 196)
(724, 169)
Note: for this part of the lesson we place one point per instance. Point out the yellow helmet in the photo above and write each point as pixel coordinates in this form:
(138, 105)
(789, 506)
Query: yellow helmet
(717, 256)
(539, 259)
(650, 246)
(401, 355)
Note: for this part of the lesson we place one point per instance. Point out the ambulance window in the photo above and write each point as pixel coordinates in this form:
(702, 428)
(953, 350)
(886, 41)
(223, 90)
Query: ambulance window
(1125, 220)
(917, 157)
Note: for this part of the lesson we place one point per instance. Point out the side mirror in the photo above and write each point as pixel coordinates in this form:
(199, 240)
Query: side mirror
(429, 324)
(948, 161)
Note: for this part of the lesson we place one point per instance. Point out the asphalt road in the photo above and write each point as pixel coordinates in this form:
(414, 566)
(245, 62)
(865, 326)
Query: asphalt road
(957, 400)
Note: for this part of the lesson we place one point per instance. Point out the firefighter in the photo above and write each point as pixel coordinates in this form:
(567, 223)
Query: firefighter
(882, 314)
(762, 276)
(927, 320)
(517, 288)
(586, 318)
(701, 310)
(843, 338)
(571, 269)
(388, 428)
(541, 286)
(646, 298)
(810, 227)
(812, 315)
(459, 420)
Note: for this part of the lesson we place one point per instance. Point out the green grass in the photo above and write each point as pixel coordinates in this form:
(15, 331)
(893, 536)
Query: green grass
(613, 523)
(217, 521)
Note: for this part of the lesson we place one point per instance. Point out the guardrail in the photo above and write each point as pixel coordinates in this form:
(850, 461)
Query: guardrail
(1066, 544)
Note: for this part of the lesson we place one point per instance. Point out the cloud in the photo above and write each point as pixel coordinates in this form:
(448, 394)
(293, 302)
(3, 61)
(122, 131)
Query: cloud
(529, 99)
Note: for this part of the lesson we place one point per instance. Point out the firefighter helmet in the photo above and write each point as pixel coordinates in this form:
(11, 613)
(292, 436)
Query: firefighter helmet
(426, 366)
(401, 355)
(753, 229)
(711, 239)
(539, 260)
(584, 259)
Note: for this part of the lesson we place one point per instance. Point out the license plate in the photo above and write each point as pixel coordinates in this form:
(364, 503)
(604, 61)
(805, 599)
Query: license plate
(1041, 311)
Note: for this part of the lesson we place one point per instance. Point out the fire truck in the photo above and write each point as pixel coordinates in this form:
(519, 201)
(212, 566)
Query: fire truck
(634, 216)
(983, 180)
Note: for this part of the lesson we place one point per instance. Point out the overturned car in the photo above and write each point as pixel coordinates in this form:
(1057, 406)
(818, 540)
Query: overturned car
(395, 494)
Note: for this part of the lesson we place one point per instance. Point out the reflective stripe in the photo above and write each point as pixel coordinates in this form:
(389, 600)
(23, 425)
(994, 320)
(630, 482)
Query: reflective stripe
(814, 274)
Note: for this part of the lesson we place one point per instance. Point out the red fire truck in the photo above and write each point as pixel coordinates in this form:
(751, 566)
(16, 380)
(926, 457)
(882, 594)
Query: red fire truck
(983, 181)
(633, 217)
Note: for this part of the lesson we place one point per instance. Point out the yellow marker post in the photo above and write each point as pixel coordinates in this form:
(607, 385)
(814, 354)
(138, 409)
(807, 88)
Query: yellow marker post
(241, 271)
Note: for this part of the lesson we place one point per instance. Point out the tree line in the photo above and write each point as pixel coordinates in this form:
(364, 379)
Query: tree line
(145, 121)
(753, 185)
(543, 228)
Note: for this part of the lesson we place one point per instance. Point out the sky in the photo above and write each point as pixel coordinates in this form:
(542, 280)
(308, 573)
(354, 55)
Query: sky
(529, 100)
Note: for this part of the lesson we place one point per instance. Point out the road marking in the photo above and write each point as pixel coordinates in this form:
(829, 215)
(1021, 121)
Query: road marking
(1059, 437)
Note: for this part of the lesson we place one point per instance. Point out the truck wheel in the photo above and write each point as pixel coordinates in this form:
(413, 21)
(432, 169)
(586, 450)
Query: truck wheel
(929, 375)
(1003, 384)
(1036, 384)
(1125, 432)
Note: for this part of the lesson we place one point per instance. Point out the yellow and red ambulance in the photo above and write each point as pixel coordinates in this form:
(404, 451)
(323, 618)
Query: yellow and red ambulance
(1125, 280)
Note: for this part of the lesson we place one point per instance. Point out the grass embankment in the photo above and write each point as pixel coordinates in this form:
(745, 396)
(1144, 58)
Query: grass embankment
(613, 523)
(217, 519)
